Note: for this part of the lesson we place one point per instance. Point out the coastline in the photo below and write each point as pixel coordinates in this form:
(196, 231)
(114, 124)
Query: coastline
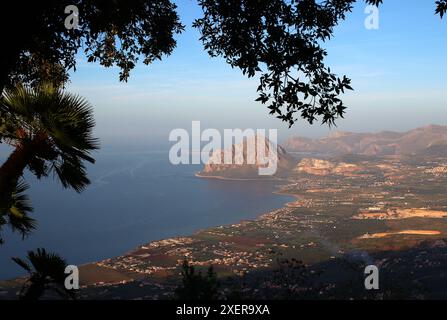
(277, 191)
(198, 175)
(274, 187)
(96, 273)
(97, 267)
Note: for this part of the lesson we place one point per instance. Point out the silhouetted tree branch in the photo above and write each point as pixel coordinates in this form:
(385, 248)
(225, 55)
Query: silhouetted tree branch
(282, 41)
(114, 33)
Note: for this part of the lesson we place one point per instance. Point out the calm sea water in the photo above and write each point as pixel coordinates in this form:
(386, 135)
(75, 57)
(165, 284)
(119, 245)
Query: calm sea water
(135, 197)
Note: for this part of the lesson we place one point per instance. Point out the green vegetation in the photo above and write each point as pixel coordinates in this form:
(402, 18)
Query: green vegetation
(51, 132)
(46, 274)
(196, 286)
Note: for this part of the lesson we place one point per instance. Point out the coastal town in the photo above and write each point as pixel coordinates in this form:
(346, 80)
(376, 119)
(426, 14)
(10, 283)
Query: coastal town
(365, 205)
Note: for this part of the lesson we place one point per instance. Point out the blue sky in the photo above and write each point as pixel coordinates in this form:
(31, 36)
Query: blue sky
(398, 74)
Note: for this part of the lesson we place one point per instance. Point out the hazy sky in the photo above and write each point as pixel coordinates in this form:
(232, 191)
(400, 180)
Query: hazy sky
(398, 74)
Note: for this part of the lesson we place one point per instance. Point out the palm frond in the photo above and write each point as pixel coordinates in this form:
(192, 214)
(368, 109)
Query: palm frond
(22, 263)
(47, 272)
(17, 216)
(19, 101)
(72, 173)
(64, 124)
(47, 264)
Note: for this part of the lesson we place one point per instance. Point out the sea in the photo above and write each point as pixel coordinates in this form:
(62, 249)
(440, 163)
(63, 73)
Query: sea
(136, 196)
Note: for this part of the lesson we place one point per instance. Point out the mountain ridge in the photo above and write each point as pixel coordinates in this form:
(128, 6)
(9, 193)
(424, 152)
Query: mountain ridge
(428, 139)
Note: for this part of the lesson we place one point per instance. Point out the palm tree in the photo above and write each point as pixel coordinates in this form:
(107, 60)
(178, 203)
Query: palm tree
(48, 275)
(51, 132)
(17, 216)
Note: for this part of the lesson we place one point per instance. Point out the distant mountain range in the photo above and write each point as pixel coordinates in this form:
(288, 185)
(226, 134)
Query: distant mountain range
(430, 140)
(346, 147)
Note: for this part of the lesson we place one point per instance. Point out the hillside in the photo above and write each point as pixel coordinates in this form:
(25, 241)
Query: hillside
(429, 140)
(247, 158)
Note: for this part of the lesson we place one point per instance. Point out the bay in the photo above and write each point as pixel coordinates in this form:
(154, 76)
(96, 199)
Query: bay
(136, 196)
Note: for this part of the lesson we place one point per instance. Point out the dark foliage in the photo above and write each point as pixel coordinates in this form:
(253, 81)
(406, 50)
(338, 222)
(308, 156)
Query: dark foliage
(282, 42)
(196, 286)
(441, 7)
(114, 33)
(46, 274)
(338, 279)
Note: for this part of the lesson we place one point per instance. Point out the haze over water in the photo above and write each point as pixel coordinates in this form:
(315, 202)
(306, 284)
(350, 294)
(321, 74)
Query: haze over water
(136, 196)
